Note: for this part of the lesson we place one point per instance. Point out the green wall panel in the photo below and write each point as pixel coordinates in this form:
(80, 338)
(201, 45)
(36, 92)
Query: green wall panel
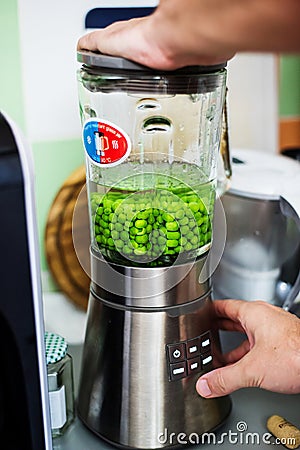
(54, 162)
(11, 98)
(289, 86)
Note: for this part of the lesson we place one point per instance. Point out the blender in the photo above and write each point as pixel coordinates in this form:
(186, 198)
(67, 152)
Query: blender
(151, 143)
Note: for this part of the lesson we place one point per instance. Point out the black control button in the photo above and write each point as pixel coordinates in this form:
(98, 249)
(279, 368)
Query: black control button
(193, 348)
(206, 360)
(205, 341)
(178, 371)
(193, 365)
(176, 352)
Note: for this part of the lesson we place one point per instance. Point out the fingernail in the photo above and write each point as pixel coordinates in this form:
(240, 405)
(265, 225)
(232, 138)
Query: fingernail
(203, 388)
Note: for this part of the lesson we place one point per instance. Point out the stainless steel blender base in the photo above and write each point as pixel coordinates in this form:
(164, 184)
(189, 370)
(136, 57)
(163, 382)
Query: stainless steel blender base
(139, 372)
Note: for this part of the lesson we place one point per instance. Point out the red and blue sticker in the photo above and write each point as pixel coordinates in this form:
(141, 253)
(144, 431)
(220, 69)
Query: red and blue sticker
(105, 143)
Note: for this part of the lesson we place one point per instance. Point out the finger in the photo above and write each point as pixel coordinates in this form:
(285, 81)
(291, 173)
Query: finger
(237, 353)
(228, 325)
(230, 309)
(89, 41)
(225, 380)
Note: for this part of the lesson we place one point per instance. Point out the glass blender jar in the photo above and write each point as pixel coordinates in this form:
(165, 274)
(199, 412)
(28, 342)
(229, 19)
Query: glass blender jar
(152, 143)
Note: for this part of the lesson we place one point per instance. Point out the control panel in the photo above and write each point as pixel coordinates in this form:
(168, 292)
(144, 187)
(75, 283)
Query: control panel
(188, 357)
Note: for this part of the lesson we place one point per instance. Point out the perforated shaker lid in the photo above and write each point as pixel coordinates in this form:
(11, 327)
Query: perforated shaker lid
(56, 347)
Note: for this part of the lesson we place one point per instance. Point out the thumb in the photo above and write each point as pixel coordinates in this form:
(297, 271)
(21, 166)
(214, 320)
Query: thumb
(224, 380)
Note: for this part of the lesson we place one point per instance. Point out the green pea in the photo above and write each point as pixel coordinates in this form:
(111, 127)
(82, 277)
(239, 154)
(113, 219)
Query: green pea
(201, 206)
(194, 207)
(168, 217)
(173, 235)
(143, 215)
(151, 219)
(124, 236)
(155, 233)
(107, 203)
(116, 204)
(119, 244)
(141, 231)
(140, 251)
(177, 249)
(126, 250)
(161, 240)
(133, 231)
(155, 212)
(140, 223)
(193, 198)
(169, 252)
(200, 221)
(99, 239)
(110, 242)
(172, 226)
(204, 228)
(172, 243)
(195, 240)
(134, 244)
(122, 218)
(106, 232)
(105, 217)
(183, 241)
(185, 229)
(179, 214)
(188, 247)
(149, 228)
(156, 249)
(184, 221)
(142, 239)
(103, 224)
(97, 229)
(118, 227)
(99, 211)
(115, 235)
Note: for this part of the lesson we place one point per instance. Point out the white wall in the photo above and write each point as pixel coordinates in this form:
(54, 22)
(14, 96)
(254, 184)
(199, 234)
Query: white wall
(253, 102)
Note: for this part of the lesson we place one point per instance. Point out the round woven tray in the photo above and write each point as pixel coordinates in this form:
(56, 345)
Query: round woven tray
(67, 239)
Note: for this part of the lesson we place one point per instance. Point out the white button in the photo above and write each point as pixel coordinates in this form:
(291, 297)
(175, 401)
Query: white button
(194, 366)
(193, 349)
(205, 343)
(177, 371)
(207, 360)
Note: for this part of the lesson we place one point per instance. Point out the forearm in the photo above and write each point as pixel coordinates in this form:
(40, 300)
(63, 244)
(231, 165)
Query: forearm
(206, 28)
(191, 32)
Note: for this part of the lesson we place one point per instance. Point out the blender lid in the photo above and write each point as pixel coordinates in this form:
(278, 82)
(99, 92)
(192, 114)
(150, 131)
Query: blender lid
(260, 175)
(103, 61)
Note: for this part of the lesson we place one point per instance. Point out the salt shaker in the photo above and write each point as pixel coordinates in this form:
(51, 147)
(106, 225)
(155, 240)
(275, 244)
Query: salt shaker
(60, 383)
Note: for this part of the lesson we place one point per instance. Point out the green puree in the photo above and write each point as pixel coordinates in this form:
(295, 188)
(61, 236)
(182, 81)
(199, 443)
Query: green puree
(152, 226)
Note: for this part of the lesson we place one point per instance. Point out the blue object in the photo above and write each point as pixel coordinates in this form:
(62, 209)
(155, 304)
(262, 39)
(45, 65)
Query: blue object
(102, 17)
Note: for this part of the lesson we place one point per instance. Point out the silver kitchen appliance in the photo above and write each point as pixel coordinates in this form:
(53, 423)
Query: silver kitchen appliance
(24, 402)
(152, 144)
(261, 259)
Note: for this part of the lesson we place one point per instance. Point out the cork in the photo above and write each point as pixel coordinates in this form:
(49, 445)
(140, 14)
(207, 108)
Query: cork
(288, 433)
